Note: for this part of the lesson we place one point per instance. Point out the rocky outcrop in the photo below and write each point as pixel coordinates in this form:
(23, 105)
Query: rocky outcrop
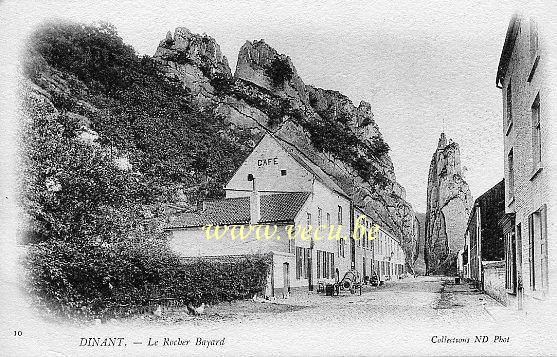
(449, 203)
(418, 252)
(252, 100)
(253, 60)
(194, 60)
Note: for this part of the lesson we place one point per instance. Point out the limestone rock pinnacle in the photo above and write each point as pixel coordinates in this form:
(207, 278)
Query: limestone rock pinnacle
(449, 203)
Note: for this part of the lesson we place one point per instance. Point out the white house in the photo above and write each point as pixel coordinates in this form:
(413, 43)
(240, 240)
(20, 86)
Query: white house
(276, 186)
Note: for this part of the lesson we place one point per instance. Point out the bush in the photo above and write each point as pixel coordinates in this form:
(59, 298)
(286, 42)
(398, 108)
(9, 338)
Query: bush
(63, 102)
(95, 279)
(279, 71)
(222, 83)
(329, 135)
(140, 111)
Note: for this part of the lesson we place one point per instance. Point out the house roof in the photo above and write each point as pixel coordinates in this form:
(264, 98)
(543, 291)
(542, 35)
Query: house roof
(508, 46)
(311, 167)
(498, 189)
(275, 208)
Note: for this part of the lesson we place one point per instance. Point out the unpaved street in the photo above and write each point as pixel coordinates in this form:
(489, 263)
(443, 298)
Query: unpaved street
(419, 314)
(422, 300)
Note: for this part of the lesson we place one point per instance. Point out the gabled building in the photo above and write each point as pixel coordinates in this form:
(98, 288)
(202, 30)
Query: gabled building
(380, 253)
(484, 242)
(277, 186)
(521, 75)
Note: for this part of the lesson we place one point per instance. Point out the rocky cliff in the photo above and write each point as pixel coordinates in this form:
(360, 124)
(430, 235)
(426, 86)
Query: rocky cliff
(266, 94)
(419, 231)
(449, 203)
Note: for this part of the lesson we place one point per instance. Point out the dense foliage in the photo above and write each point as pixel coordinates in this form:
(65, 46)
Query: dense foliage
(143, 113)
(84, 209)
(72, 191)
(95, 280)
(279, 71)
(329, 135)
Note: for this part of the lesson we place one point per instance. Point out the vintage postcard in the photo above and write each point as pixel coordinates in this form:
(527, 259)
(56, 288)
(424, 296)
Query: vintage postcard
(184, 178)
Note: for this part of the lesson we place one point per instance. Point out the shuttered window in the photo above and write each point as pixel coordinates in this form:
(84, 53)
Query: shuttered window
(298, 262)
(318, 264)
(510, 168)
(325, 265)
(332, 255)
(536, 133)
(509, 102)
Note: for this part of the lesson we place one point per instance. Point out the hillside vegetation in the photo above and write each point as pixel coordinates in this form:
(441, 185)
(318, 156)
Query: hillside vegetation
(107, 142)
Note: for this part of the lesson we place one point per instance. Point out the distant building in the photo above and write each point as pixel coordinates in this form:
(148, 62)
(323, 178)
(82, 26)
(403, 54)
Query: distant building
(278, 185)
(526, 131)
(484, 238)
(382, 255)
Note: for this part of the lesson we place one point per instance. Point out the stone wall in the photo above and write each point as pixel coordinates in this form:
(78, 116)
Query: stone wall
(494, 280)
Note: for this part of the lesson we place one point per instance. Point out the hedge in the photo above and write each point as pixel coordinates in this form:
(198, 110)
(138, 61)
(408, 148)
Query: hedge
(93, 280)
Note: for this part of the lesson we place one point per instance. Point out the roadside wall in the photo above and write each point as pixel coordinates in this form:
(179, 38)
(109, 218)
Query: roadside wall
(494, 280)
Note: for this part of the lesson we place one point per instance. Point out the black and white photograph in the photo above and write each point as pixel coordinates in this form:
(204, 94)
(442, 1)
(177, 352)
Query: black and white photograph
(250, 178)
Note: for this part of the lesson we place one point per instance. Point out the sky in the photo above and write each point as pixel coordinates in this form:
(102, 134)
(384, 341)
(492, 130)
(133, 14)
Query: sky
(426, 67)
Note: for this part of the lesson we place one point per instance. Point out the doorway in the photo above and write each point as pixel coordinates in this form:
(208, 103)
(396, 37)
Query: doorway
(517, 263)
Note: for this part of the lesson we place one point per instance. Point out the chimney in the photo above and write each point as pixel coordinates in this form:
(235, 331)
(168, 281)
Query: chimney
(254, 204)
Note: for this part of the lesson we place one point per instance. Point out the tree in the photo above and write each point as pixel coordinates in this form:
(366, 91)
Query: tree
(72, 190)
(279, 71)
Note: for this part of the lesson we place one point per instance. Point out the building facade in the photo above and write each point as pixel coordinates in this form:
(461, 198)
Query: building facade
(277, 186)
(377, 251)
(521, 76)
(484, 239)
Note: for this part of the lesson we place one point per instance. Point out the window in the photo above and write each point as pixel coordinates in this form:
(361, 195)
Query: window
(509, 117)
(536, 133)
(319, 216)
(299, 262)
(332, 261)
(326, 266)
(339, 215)
(291, 245)
(328, 220)
(367, 235)
(364, 266)
(534, 42)
(283, 172)
(306, 263)
(318, 264)
(309, 219)
(341, 247)
(510, 163)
